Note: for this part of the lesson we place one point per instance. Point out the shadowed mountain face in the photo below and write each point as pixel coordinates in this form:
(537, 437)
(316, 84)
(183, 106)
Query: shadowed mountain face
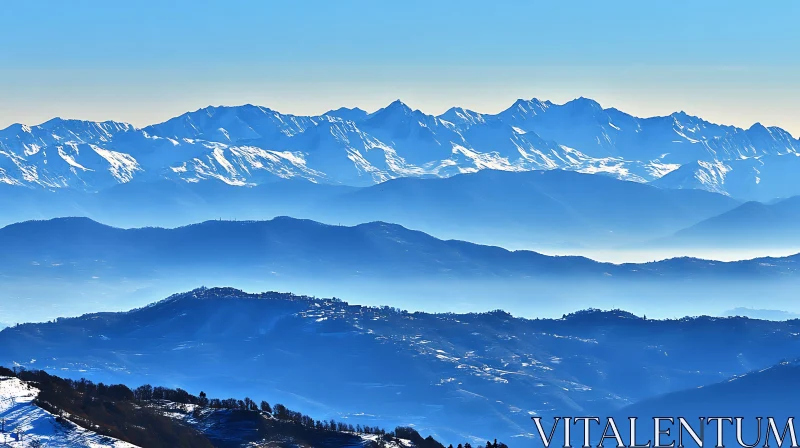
(453, 375)
(543, 209)
(764, 393)
(751, 224)
(539, 209)
(253, 145)
(769, 391)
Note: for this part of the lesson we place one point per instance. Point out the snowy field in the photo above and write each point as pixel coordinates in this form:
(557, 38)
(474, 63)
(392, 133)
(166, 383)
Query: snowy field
(26, 425)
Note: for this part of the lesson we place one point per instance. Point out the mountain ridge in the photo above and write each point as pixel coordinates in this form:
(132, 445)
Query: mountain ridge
(536, 209)
(751, 224)
(48, 236)
(249, 145)
(476, 374)
(88, 265)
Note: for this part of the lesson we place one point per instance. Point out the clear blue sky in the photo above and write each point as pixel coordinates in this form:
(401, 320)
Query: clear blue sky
(144, 61)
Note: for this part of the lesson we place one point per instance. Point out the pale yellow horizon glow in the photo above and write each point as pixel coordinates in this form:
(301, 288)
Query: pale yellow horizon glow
(725, 95)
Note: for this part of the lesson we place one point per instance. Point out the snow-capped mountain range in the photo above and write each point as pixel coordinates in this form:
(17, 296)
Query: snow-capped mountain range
(251, 145)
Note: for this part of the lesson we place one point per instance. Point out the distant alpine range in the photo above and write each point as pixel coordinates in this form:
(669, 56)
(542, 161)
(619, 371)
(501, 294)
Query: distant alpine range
(253, 145)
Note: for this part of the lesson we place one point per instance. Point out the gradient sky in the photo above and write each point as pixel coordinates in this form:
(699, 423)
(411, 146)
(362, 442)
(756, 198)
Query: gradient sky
(144, 61)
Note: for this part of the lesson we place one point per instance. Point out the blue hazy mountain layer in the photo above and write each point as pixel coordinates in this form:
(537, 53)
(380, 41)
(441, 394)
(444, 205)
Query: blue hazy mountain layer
(762, 393)
(759, 393)
(751, 224)
(452, 375)
(542, 209)
(756, 313)
(68, 266)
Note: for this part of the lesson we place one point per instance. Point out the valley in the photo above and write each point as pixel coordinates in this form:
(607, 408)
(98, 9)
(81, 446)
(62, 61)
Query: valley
(450, 375)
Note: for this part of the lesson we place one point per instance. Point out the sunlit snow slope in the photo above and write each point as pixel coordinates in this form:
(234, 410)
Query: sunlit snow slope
(25, 424)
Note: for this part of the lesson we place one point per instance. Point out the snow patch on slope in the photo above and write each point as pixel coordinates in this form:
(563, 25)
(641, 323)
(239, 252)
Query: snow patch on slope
(26, 423)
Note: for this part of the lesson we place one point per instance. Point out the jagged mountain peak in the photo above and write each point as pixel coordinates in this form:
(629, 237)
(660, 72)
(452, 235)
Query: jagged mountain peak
(397, 113)
(460, 115)
(396, 110)
(398, 106)
(584, 103)
(348, 113)
(71, 124)
(347, 109)
(460, 110)
(685, 117)
(212, 110)
(216, 112)
(681, 115)
(532, 106)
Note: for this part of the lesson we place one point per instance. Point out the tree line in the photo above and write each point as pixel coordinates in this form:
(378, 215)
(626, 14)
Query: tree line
(84, 399)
